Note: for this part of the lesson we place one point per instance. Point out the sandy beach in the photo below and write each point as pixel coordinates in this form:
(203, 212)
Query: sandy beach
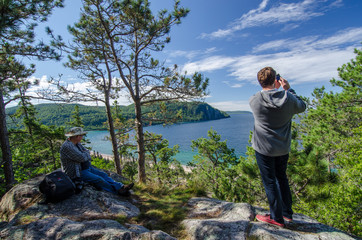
(187, 169)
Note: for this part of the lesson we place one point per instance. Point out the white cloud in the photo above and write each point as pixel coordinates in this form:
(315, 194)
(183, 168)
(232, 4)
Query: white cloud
(237, 85)
(208, 64)
(221, 33)
(191, 54)
(283, 13)
(348, 36)
(180, 53)
(298, 67)
(233, 85)
(309, 59)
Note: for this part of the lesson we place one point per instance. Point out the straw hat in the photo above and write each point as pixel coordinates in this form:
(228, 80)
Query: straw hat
(76, 131)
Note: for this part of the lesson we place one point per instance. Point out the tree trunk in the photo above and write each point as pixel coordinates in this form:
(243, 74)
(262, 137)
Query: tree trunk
(112, 133)
(5, 146)
(26, 115)
(140, 143)
(53, 155)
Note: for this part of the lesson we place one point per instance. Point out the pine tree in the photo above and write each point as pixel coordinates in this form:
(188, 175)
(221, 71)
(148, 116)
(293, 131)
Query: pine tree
(113, 43)
(18, 18)
(332, 131)
(76, 121)
(216, 166)
(166, 168)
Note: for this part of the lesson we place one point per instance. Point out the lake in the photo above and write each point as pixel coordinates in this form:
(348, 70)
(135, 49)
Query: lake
(235, 130)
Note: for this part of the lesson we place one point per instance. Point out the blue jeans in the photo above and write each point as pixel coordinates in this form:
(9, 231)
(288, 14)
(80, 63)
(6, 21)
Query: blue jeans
(100, 180)
(276, 185)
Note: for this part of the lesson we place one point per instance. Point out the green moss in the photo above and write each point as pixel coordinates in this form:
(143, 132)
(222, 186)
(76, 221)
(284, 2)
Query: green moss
(26, 220)
(122, 219)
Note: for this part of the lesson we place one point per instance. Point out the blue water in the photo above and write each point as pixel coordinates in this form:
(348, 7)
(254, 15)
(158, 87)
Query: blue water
(235, 130)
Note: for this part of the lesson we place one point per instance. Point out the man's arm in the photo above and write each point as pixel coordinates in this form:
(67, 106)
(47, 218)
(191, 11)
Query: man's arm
(70, 151)
(84, 150)
(300, 105)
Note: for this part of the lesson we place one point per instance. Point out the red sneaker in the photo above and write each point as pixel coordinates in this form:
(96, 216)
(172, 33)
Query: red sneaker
(288, 219)
(267, 219)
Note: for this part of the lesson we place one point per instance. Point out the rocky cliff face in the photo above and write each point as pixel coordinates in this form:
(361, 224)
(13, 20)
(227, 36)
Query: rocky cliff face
(209, 113)
(96, 214)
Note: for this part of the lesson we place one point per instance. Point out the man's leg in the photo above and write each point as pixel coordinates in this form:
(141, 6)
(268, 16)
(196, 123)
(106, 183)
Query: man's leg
(109, 180)
(281, 175)
(267, 170)
(98, 181)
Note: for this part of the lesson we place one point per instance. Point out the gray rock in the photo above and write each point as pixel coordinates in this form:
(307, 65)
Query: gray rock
(64, 229)
(20, 197)
(3, 225)
(214, 219)
(91, 214)
(23, 204)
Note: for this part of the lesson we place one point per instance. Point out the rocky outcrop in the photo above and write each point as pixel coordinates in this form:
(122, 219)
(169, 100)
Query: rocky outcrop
(215, 219)
(96, 215)
(91, 214)
(63, 228)
(208, 113)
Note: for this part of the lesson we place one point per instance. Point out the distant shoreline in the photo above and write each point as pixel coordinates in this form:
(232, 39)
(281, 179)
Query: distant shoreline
(109, 157)
(104, 155)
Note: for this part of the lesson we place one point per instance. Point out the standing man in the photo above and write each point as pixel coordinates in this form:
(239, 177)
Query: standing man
(273, 111)
(76, 162)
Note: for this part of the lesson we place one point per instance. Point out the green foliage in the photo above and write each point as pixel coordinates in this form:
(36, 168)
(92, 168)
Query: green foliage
(35, 149)
(331, 136)
(214, 150)
(129, 169)
(214, 167)
(17, 23)
(2, 179)
(77, 121)
(92, 117)
(248, 184)
(163, 168)
(17, 38)
(102, 163)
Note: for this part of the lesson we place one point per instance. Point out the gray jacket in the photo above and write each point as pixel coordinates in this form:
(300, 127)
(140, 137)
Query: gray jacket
(273, 111)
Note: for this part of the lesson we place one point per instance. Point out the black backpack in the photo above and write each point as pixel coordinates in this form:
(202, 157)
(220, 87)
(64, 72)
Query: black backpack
(57, 186)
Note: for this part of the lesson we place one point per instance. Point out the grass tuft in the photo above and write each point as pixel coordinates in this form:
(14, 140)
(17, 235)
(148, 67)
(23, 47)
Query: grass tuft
(162, 208)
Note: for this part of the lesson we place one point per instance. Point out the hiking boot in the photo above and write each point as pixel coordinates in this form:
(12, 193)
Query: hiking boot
(267, 219)
(289, 220)
(124, 190)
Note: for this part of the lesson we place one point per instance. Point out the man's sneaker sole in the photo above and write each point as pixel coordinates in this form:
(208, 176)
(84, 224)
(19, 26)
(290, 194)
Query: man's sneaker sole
(267, 219)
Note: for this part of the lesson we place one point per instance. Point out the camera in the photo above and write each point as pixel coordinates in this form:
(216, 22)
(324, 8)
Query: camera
(278, 77)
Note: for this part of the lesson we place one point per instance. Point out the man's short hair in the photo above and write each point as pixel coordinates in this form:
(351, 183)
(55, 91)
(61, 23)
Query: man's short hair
(266, 76)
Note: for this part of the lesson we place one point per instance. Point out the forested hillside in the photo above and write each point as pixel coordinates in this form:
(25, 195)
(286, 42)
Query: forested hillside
(94, 117)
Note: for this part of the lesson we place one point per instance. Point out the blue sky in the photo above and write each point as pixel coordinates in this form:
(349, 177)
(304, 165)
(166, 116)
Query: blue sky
(230, 40)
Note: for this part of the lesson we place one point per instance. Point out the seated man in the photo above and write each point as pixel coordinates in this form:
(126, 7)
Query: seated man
(76, 162)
